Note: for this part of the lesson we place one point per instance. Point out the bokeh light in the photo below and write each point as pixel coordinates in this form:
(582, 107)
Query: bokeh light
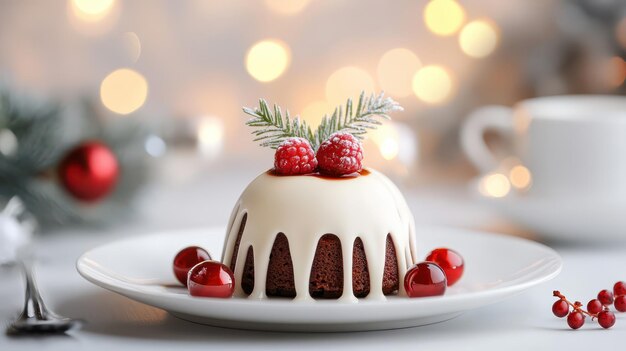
(155, 146)
(395, 71)
(494, 185)
(210, 136)
(432, 84)
(287, 7)
(444, 17)
(267, 60)
(132, 44)
(123, 91)
(478, 38)
(348, 82)
(91, 10)
(616, 71)
(8, 142)
(315, 111)
(520, 177)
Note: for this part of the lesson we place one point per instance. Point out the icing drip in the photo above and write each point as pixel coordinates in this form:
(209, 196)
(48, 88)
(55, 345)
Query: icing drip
(304, 208)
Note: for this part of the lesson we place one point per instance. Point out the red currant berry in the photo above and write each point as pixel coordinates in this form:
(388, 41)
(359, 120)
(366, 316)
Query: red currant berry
(620, 303)
(187, 258)
(606, 319)
(425, 279)
(619, 288)
(211, 279)
(575, 319)
(594, 306)
(450, 261)
(606, 297)
(560, 308)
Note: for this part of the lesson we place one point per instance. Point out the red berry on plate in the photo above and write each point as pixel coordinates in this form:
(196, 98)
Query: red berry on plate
(606, 319)
(594, 306)
(187, 258)
(211, 279)
(575, 319)
(450, 261)
(425, 279)
(619, 288)
(294, 156)
(340, 154)
(620, 303)
(560, 308)
(606, 297)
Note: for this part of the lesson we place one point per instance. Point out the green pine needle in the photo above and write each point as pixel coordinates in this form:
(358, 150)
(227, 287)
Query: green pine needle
(271, 128)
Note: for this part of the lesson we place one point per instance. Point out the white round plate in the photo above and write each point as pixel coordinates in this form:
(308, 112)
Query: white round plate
(577, 219)
(497, 267)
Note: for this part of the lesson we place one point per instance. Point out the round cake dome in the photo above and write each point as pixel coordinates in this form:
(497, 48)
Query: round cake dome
(312, 236)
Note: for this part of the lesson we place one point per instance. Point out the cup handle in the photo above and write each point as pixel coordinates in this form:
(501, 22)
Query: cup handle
(496, 118)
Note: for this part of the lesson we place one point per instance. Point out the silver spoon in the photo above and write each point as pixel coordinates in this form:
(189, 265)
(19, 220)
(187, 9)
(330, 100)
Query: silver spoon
(36, 318)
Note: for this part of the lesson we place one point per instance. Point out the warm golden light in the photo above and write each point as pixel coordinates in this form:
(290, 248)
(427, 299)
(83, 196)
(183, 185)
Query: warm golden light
(315, 111)
(132, 45)
(478, 38)
(520, 177)
(495, 185)
(210, 136)
(444, 17)
(432, 84)
(91, 10)
(386, 138)
(123, 91)
(267, 60)
(348, 82)
(287, 7)
(395, 71)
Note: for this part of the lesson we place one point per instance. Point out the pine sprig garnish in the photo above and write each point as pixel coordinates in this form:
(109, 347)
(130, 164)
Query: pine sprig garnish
(274, 128)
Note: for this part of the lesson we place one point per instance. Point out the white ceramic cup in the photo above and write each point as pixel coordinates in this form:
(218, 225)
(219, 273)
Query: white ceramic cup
(574, 145)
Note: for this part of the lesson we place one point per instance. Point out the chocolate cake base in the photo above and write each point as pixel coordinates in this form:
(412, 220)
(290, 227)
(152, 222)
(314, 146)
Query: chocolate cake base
(326, 279)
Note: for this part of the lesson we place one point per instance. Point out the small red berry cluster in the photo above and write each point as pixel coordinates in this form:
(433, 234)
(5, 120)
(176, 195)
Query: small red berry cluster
(338, 155)
(597, 309)
(202, 276)
(443, 267)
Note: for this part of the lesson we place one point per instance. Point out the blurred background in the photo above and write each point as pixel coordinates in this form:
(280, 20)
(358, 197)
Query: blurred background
(151, 91)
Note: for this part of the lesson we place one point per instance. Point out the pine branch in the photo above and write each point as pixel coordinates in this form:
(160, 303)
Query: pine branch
(273, 128)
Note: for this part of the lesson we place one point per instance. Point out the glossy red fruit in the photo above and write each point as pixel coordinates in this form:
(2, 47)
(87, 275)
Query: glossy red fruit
(594, 306)
(187, 258)
(620, 303)
(211, 279)
(606, 297)
(606, 319)
(450, 261)
(619, 288)
(575, 319)
(425, 279)
(560, 308)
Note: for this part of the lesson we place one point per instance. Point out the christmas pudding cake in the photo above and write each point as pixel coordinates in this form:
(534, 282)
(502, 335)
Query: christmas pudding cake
(318, 225)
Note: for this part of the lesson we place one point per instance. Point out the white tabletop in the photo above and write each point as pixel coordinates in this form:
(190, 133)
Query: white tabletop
(204, 199)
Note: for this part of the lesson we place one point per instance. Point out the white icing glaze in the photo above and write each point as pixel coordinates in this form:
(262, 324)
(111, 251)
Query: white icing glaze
(305, 208)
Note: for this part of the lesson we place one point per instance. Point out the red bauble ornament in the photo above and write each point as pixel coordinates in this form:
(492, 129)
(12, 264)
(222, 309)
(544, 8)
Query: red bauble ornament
(89, 172)
(425, 279)
(211, 279)
(450, 261)
(186, 259)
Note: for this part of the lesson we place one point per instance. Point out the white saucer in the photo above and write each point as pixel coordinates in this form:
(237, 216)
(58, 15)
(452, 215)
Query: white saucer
(497, 267)
(574, 219)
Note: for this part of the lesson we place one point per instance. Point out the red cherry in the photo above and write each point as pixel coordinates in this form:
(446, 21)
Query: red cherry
(575, 320)
(606, 319)
(620, 303)
(619, 288)
(187, 258)
(211, 279)
(594, 306)
(425, 279)
(450, 261)
(560, 308)
(606, 297)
